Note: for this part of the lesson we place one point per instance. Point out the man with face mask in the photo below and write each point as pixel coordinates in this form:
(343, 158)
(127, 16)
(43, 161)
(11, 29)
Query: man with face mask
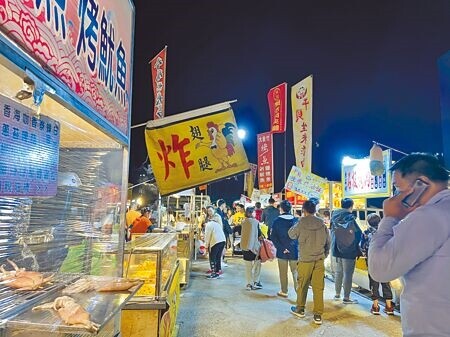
(413, 241)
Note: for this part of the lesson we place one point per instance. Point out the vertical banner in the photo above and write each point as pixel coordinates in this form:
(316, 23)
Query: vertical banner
(249, 179)
(158, 65)
(265, 162)
(277, 98)
(302, 100)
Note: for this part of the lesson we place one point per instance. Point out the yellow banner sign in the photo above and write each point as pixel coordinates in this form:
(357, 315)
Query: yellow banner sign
(302, 100)
(194, 148)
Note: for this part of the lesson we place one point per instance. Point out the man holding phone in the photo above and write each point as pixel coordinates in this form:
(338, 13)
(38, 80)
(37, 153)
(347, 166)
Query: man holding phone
(413, 241)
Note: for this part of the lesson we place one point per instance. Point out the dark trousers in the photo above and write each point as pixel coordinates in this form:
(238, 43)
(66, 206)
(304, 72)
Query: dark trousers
(374, 288)
(215, 256)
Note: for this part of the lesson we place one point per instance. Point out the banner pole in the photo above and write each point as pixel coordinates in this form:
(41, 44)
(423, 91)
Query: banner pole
(284, 168)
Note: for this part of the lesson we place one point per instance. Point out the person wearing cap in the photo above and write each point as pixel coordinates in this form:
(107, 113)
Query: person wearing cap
(250, 246)
(270, 213)
(314, 246)
(287, 248)
(142, 224)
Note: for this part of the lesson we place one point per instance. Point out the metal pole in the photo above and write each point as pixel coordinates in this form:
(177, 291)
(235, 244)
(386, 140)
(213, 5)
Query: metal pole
(389, 147)
(159, 210)
(284, 169)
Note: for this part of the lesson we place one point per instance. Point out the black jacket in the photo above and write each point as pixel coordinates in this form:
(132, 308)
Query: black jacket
(226, 225)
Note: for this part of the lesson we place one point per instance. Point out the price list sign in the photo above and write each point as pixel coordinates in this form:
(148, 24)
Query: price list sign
(29, 151)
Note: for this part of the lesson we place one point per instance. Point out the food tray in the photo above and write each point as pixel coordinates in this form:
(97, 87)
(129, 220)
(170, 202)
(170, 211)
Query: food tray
(102, 307)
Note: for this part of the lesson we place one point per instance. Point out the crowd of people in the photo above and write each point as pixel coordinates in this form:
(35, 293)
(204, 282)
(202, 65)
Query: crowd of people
(304, 239)
(411, 241)
(302, 243)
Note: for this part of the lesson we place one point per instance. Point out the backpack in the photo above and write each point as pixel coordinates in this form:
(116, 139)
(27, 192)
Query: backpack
(267, 252)
(345, 234)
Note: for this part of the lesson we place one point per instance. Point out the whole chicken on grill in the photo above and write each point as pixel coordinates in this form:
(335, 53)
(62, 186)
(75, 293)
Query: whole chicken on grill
(21, 279)
(70, 312)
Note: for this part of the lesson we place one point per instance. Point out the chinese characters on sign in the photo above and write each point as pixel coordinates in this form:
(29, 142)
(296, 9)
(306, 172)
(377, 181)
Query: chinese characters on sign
(265, 162)
(29, 151)
(158, 65)
(194, 150)
(84, 43)
(301, 95)
(277, 106)
(302, 182)
(358, 182)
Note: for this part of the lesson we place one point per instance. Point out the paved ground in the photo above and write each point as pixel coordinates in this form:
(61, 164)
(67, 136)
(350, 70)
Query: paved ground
(222, 307)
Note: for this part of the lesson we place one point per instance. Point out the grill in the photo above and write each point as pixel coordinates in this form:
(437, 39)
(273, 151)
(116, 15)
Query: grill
(14, 302)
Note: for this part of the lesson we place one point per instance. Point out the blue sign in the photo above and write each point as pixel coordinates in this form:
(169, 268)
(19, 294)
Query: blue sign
(29, 151)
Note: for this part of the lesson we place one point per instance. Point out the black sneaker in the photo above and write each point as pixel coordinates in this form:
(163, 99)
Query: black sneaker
(318, 319)
(298, 312)
(257, 285)
(349, 301)
(212, 276)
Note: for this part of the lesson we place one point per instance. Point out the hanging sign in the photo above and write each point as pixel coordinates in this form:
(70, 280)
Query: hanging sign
(194, 148)
(304, 183)
(29, 151)
(358, 182)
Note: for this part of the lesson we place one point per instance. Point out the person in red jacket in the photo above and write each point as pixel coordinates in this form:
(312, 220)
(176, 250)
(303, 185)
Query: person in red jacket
(258, 211)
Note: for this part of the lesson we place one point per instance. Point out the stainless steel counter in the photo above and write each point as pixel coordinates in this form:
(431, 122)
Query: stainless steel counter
(102, 307)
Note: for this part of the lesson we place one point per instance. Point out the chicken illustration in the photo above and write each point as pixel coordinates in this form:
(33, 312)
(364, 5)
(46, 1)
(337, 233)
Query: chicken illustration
(221, 144)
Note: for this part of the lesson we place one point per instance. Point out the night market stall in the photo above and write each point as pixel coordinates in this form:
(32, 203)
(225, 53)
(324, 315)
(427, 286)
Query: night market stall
(65, 104)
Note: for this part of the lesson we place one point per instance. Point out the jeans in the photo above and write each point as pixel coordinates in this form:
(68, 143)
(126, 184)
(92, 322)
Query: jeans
(283, 271)
(311, 273)
(343, 275)
(215, 256)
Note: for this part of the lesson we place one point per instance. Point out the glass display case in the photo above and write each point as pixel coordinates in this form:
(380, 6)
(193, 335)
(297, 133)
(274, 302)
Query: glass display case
(185, 252)
(151, 258)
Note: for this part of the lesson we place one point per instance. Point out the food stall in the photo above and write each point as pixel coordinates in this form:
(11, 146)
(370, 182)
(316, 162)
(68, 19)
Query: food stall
(359, 184)
(153, 309)
(65, 104)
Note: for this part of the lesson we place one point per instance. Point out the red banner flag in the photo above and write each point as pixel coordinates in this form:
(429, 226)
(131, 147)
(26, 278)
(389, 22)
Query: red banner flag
(265, 162)
(277, 106)
(158, 66)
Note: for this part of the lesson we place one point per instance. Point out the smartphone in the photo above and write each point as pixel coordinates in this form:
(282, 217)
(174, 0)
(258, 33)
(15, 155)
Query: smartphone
(419, 189)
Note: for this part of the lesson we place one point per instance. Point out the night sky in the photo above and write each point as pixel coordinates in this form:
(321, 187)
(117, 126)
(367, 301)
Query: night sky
(374, 65)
